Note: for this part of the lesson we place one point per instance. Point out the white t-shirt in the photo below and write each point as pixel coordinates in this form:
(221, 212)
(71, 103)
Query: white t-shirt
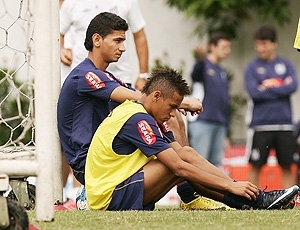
(75, 15)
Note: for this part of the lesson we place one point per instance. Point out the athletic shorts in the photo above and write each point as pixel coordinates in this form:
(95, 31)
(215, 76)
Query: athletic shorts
(129, 195)
(283, 142)
(79, 175)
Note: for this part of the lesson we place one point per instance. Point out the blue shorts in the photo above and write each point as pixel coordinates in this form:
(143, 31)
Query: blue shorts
(129, 195)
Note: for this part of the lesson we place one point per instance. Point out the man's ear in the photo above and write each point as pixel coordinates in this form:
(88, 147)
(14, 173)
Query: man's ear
(156, 96)
(96, 38)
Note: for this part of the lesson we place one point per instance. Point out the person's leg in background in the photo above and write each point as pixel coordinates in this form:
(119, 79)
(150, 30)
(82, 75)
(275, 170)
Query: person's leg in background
(285, 147)
(200, 137)
(261, 146)
(218, 145)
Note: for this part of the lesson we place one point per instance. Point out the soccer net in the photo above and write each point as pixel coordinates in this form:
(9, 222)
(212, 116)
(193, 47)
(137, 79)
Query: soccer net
(29, 88)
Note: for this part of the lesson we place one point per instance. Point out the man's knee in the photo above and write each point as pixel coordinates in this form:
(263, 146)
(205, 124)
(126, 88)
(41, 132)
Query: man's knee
(187, 153)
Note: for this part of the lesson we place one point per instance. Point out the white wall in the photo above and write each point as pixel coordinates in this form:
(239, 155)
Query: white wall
(169, 31)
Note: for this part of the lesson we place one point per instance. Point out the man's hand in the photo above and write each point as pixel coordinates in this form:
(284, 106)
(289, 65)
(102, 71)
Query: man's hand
(139, 84)
(245, 189)
(274, 83)
(66, 56)
(191, 104)
(200, 52)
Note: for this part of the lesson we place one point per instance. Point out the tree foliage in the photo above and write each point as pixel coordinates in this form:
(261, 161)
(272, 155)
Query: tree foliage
(12, 112)
(228, 15)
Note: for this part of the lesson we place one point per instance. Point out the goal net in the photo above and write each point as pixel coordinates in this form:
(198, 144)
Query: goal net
(29, 88)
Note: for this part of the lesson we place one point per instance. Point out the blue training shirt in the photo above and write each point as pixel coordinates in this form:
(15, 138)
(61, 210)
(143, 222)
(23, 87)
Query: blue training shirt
(131, 137)
(83, 103)
(216, 91)
(271, 106)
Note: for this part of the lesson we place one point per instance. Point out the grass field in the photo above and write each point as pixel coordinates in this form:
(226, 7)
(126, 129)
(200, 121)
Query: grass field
(173, 219)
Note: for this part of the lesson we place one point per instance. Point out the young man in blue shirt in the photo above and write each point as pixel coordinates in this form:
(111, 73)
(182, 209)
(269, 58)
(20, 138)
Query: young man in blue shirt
(270, 81)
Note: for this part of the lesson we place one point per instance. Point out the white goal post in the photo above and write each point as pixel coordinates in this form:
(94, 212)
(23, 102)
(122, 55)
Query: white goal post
(40, 59)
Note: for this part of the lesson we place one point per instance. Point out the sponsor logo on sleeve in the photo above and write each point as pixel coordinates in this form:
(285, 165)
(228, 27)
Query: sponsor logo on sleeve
(146, 132)
(94, 80)
(260, 70)
(272, 82)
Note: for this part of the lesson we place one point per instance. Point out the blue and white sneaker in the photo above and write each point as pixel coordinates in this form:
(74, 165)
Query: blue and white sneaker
(81, 201)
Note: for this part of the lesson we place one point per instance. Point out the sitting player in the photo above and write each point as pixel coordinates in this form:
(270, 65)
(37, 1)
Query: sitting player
(134, 160)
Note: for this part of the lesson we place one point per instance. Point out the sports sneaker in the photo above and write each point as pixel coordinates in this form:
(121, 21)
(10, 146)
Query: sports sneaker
(279, 199)
(81, 201)
(203, 203)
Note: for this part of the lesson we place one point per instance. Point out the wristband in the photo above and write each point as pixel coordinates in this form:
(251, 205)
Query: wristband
(144, 76)
(169, 137)
(167, 134)
(164, 127)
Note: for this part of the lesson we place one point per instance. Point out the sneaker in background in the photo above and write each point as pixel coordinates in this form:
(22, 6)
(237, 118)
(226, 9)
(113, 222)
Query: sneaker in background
(81, 201)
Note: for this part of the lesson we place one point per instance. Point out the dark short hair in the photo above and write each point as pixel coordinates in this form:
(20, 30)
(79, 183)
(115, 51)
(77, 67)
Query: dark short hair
(103, 24)
(168, 81)
(216, 36)
(266, 32)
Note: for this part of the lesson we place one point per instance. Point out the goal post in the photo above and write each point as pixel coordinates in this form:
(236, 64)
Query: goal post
(47, 86)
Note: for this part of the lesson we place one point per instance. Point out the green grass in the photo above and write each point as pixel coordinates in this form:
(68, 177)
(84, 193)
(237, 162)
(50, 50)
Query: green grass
(173, 219)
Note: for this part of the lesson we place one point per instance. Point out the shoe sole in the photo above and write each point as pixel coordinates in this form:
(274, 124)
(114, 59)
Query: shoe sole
(204, 209)
(290, 205)
(286, 197)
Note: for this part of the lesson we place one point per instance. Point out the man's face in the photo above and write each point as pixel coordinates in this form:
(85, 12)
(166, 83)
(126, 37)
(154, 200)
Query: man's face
(222, 49)
(265, 49)
(112, 46)
(163, 109)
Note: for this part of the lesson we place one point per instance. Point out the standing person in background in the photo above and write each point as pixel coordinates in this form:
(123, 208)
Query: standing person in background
(209, 130)
(270, 81)
(76, 15)
(65, 69)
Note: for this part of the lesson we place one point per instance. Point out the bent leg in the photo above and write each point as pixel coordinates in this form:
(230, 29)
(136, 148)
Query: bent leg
(177, 126)
(190, 155)
(158, 180)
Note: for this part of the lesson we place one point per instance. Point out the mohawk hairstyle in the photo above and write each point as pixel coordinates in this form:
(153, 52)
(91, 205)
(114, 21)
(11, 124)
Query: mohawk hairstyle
(168, 81)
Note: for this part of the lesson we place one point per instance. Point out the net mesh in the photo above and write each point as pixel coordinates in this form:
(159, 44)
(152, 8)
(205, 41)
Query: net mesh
(16, 79)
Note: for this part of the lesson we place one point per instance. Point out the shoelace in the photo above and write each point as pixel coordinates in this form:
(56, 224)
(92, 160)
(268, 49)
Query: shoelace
(269, 197)
(265, 188)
